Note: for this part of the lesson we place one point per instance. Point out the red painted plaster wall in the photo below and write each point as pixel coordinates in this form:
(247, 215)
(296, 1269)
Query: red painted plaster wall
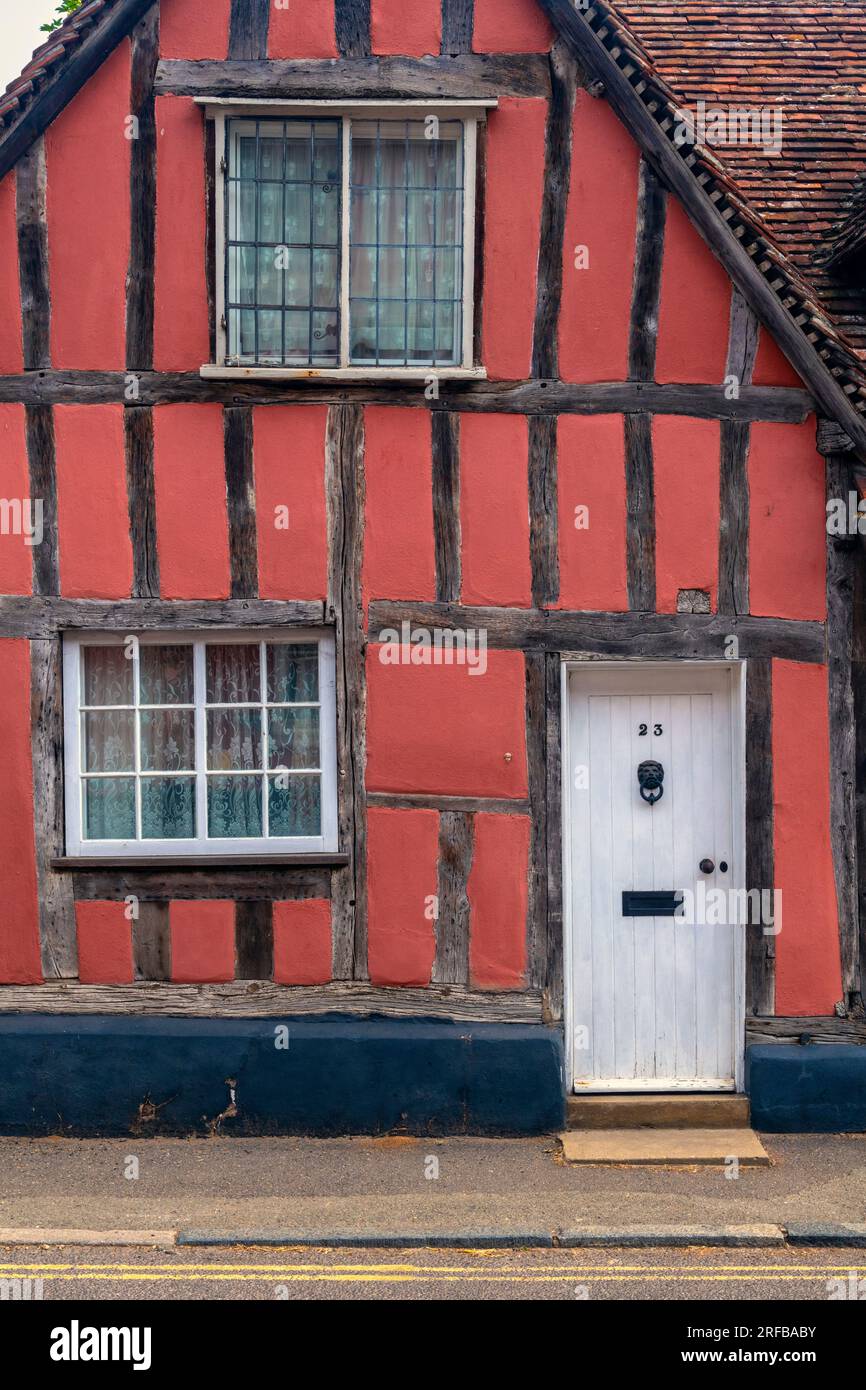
(439, 729)
(515, 176)
(304, 30)
(16, 557)
(92, 505)
(695, 311)
(11, 346)
(772, 367)
(591, 472)
(191, 518)
(20, 962)
(510, 26)
(302, 943)
(414, 29)
(498, 897)
(195, 28)
(808, 970)
(399, 560)
(87, 155)
(494, 510)
(686, 468)
(181, 333)
(402, 878)
(104, 944)
(601, 217)
(202, 942)
(289, 460)
(788, 535)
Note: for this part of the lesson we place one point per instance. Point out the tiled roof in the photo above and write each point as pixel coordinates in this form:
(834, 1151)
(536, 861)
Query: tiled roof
(49, 58)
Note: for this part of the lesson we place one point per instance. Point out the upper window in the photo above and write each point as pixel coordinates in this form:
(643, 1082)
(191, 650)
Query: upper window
(194, 745)
(348, 243)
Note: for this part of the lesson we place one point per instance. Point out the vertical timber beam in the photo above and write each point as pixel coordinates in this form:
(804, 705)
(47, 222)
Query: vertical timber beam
(640, 513)
(352, 21)
(760, 829)
(254, 941)
(32, 219)
(346, 497)
(41, 455)
(647, 284)
(151, 942)
(536, 760)
(557, 180)
(57, 932)
(140, 489)
(859, 690)
(248, 28)
(554, 976)
(734, 466)
(140, 281)
(456, 849)
(446, 505)
(543, 509)
(241, 499)
(458, 22)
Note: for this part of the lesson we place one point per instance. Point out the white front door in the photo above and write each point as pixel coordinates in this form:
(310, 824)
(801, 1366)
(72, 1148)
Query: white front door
(655, 1000)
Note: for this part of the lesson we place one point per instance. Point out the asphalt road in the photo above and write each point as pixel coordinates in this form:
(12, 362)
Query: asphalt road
(269, 1275)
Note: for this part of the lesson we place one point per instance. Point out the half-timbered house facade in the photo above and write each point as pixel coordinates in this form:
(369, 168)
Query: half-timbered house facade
(431, 622)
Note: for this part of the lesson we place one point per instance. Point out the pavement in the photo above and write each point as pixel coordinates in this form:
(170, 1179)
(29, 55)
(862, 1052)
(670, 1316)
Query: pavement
(405, 1191)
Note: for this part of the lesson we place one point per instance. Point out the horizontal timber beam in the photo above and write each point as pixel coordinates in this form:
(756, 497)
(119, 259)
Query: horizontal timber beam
(776, 404)
(260, 999)
(641, 636)
(463, 805)
(818, 1030)
(463, 77)
(43, 617)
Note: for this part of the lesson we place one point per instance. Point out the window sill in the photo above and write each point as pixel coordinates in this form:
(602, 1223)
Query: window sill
(128, 863)
(216, 372)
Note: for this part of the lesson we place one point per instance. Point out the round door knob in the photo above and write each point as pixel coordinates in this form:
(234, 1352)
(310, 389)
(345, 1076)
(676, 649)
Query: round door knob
(707, 866)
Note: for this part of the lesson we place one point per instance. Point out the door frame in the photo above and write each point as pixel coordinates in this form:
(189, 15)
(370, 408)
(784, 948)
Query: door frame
(738, 668)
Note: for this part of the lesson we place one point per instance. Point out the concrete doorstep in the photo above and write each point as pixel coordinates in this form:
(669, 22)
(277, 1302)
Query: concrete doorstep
(639, 1147)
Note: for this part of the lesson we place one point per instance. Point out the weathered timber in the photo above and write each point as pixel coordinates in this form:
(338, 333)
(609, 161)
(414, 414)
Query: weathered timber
(42, 617)
(446, 506)
(554, 978)
(557, 180)
(858, 674)
(263, 1000)
(254, 940)
(466, 805)
(647, 284)
(241, 497)
(640, 514)
(140, 280)
(468, 77)
(32, 218)
(41, 455)
(456, 849)
(832, 439)
(458, 20)
(57, 934)
(610, 635)
(100, 40)
(760, 849)
(140, 488)
(217, 882)
(777, 404)
(352, 23)
(817, 1030)
(198, 864)
(543, 510)
(671, 163)
(743, 337)
(248, 28)
(151, 941)
(536, 762)
(843, 560)
(210, 165)
(346, 490)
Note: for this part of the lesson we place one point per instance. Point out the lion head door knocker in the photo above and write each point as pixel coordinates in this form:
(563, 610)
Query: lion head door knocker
(651, 776)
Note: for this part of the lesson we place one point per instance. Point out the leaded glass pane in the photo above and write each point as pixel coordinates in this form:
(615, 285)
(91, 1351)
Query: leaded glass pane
(108, 676)
(166, 675)
(294, 805)
(109, 741)
(109, 808)
(293, 673)
(234, 808)
(168, 808)
(293, 738)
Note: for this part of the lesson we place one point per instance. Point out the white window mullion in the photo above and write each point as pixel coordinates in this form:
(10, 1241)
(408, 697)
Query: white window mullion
(345, 258)
(470, 165)
(263, 659)
(200, 695)
(136, 720)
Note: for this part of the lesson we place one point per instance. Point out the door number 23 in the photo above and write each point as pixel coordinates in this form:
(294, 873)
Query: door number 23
(658, 730)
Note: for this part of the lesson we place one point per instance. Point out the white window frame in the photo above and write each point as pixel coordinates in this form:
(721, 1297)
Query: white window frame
(471, 114)
(77, 846)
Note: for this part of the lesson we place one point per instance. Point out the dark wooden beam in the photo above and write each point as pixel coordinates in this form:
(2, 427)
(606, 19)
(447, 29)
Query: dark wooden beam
(241, 499)
(43, 617)
(468, 77)
(254, 940)
(646, 292)
(346, 490)
(537, 772)
(456, 850)
(760, 828)
(734, 465)
(138, 438)
(640, 513)
(210, 267)
(217, 882)
(858, 676)
(259, 999)
(554, 975)
(544, 510)
(844, 557)
(57, 933)
(446, 506)
(554, 205)
(102, 37)
(140, 281)
(776, 404)
(41, 455)
(817, 1030)
(458, 20)
(352, 22)
(248, 28)
(699, 636)
(151, 941)
(459, 805)
(32, 219)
